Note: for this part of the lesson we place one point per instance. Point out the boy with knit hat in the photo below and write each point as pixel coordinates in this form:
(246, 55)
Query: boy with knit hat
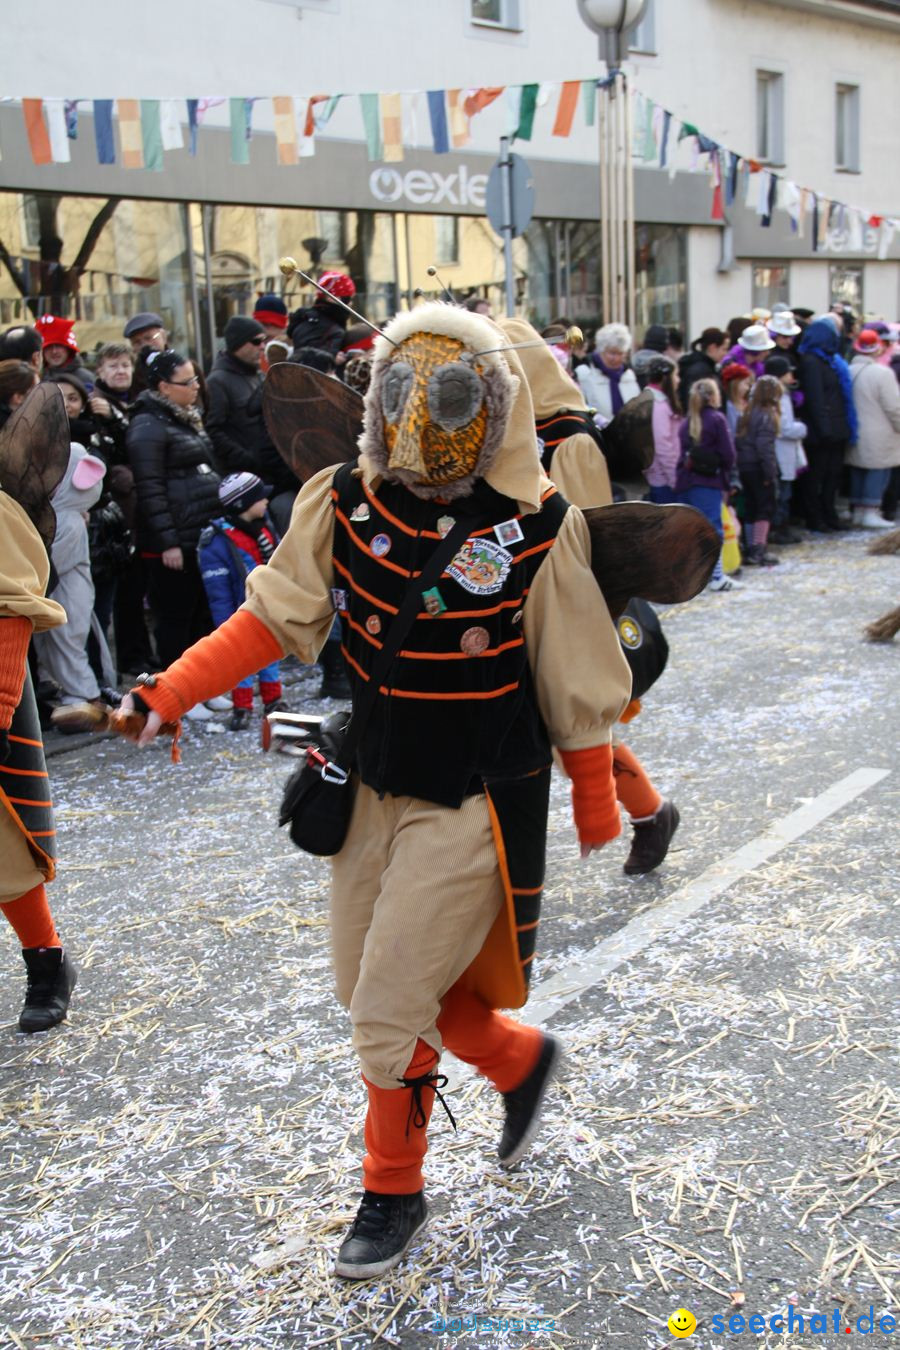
(243, 538)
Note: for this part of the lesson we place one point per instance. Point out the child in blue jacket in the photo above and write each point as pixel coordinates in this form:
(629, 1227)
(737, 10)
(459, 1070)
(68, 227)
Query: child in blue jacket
(242, 538)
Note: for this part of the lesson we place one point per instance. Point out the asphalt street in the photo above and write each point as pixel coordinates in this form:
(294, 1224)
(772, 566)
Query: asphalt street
(180, 1158)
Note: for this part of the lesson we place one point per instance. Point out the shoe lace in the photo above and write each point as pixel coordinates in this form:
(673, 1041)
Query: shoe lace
(374, 1216)
(432, 1080)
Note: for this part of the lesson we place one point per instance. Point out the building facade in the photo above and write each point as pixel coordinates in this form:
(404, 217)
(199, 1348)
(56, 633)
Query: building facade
(806, 87)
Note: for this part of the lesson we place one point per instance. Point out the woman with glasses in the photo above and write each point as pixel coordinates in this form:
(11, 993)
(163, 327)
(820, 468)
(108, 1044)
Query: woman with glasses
(177, 496)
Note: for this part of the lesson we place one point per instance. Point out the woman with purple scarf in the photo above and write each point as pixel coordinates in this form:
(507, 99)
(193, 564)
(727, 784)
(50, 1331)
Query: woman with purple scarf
(830, 416)
(606, 381)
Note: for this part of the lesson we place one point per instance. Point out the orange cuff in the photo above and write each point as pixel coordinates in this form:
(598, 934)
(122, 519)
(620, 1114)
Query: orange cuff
(15, 635)
(594, 803)
(214, 665)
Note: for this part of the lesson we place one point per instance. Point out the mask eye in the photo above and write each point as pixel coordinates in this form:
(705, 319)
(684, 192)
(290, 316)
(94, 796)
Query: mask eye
(395, 389)
(455, 395)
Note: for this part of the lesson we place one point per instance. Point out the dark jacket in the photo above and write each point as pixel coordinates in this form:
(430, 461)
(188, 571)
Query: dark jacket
(824, 411)
(177, 488)
(694, 366)
(756, 445)
(323, 326)
(235, 422)
(715, 438)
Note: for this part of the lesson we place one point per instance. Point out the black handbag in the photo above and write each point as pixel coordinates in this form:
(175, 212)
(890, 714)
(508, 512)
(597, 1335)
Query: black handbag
(318, 797)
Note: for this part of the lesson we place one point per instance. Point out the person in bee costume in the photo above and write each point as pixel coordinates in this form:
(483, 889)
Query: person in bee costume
(571, 450)
(436, 891)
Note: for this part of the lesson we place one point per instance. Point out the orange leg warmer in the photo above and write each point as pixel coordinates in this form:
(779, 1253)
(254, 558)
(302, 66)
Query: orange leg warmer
(397, 1130)
(502, 1050)
(31, 918)
(633, 788)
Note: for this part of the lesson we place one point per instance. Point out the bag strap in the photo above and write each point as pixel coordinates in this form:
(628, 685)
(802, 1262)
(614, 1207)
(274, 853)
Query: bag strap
(402, 622)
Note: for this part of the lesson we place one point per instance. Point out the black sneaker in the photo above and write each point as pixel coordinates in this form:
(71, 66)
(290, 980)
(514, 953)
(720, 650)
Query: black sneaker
(651, 840)
(524, 1104)
(239, 719)
(51, 979)
(383, 1229)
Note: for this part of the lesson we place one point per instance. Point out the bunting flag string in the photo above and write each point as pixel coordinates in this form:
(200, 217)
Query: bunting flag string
(394, 121)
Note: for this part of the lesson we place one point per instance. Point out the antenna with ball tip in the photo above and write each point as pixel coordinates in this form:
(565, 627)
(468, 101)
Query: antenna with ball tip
(289, 267)
(433, 272)
(574, 338)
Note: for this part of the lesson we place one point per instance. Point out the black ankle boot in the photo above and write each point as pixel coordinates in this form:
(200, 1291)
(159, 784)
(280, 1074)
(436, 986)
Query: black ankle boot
(334, 673)
(51, 979)
(651, 840)
(384, 1227)
(239, 719)
(524, 1104)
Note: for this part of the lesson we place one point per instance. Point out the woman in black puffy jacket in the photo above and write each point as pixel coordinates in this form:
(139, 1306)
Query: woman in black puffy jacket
(177, 496)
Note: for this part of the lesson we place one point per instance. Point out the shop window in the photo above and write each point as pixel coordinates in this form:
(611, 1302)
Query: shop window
(331, 233)
(31, 221)
(446, 240)
(770, 117)
(771, 285)
(496, 14)
(661, 266)
(846, 139)
(846, 287)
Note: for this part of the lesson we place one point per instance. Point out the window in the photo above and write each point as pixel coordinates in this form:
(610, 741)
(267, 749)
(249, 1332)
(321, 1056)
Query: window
(769, 117)
(771, 285)
(446, 240)
(31, 221)
(846, 286)
(642, 37)
(496, 13)
(331, 232)
(846, 127)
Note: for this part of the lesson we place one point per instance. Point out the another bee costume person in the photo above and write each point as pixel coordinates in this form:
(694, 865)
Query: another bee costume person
(436, 892)
(571, 450)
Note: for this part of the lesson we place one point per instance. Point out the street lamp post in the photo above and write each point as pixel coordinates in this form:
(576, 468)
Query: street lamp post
(611, 21)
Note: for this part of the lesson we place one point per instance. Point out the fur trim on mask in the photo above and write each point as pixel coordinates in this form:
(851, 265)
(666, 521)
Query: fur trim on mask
(500, 388)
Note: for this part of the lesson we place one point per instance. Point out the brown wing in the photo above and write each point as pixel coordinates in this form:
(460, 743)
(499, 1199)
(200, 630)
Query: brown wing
(34, 455)
(628, 438)
(314, 420)
(661, 553)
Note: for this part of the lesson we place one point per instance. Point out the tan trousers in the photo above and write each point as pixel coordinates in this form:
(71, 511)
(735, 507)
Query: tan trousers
(415, 890)
(19, 872)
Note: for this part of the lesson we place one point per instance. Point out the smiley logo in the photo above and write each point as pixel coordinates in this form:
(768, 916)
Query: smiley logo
(682, 1323)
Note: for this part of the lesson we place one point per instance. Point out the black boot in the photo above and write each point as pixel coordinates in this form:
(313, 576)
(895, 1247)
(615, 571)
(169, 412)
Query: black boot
(334, 673)
(384, 1227)
(524, 1104)
(651, 840)
(51, 979)
(239, 719)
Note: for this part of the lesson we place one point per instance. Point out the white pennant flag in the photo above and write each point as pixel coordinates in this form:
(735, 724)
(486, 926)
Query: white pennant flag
(55, 108)
(885, 238)
(170, 123)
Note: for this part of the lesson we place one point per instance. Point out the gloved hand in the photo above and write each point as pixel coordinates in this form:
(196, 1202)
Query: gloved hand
(594, 803)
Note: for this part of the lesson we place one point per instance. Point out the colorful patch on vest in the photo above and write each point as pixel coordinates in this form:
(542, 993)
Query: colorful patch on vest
(631, 635)
(474, 641)
(433, 601)
(338, 597)
(481, 567)
(445, 525)
(360, 512)
(373, 624)
(509, 532)
(381, 545)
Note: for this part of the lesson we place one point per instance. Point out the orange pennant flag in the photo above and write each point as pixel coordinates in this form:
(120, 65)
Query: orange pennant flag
(568, 103)
(309, 128)
(391, 127)
(479, 99)
(130, 134)
(36, 130)
(285, 119)
(459, 122)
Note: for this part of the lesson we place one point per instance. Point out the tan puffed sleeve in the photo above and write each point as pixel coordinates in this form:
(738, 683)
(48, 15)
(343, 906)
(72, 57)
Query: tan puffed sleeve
(582, 678)
(579, 470)
(291, 595)
(24, 569)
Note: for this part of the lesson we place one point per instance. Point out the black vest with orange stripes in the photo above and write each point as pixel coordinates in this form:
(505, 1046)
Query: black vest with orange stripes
(459, 706)
(553, 430)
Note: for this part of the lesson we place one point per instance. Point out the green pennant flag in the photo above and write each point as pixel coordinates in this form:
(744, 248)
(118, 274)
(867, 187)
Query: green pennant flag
(687, 130)
(526, 112)
(589, 101)
(371, 112)
(324, 114)
(240, 145)
(151, 133)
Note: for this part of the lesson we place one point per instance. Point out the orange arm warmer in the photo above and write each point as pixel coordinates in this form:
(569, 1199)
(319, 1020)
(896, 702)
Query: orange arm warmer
(212, 666)
(15, 635)
(594, 804)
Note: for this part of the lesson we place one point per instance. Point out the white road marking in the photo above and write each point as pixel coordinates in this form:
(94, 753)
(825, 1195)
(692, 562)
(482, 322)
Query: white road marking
(574, 979)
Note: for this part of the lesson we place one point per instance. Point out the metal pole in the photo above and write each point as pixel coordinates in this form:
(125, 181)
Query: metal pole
(207, 258)
(602, 122)
(615, 206)
(192, 280)
(629, 207)
(508, 226)
(621, 152)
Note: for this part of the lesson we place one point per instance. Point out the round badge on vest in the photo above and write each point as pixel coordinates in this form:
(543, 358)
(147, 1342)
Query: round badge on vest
(373, 625)
(474, 641)
(381, 545)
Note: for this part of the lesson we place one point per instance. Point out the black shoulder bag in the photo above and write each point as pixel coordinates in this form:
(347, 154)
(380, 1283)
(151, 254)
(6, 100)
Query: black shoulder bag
(318, 797)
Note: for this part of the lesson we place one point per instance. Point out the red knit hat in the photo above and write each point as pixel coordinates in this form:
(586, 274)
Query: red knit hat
(735, 370)
(270, 309)
(57, 332)
(337, 284)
